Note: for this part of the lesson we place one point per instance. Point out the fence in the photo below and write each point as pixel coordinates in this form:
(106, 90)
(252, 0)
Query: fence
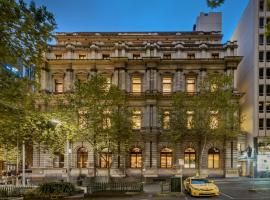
(114, 187)
(13, 191)
(11, 198)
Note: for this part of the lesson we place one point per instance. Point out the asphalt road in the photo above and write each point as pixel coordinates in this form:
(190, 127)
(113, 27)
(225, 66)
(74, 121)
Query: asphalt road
(237, 190)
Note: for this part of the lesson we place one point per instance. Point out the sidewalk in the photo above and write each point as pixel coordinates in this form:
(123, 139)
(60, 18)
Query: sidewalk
(239, 179)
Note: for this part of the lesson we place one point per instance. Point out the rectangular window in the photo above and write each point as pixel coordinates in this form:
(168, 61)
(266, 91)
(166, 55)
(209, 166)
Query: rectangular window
(191, 55)
(190, 85)
(166, 84)
(260, 107)
(267, 90)
(267, 106)
(136, 56)
(58, 56)
(261, 70)
(268, 40)
(261, 124)
(136, 84)
(261, 5)
(261, 22)
(190, 119)
(261, 39)
(215, 55)
(137, 119)
(108, 82)
(105, 56)
(267, 21)
(261, 56)
(261, 90)
(106, 119)
(167, 56)
(166, 120)
(82, 56)
(59, 86)
(213, 120)
(268, 56)
(268, 73)
(267, 124)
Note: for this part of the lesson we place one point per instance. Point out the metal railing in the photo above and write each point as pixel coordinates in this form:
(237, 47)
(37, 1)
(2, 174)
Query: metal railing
(14, 191)
(115, 187)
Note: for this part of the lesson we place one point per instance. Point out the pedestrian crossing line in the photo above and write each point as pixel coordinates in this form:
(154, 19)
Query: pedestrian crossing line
(226, 195)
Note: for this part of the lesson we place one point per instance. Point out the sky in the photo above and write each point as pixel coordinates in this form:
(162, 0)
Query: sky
(138, 15)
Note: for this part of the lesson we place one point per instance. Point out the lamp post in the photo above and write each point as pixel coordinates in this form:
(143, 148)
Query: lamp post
(181, 163)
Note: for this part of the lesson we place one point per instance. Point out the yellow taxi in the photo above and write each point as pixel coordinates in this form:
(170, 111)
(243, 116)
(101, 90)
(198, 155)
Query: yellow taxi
(199, 186)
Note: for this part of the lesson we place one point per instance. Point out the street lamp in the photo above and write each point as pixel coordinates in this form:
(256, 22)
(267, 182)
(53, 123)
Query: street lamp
(181, 163)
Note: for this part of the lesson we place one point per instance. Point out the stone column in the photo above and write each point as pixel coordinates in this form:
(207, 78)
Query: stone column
(122, 80)
(44, 79)
(178, 86)
(147, 80)
(155, 79)
(69, 79)
(115, 79)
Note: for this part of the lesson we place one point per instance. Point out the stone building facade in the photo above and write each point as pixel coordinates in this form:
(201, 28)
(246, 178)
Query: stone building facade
(149, 67)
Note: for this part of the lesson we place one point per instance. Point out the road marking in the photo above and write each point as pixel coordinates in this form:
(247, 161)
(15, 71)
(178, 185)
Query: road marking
(230, 197)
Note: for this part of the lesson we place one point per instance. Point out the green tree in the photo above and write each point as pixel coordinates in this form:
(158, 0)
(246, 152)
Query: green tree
(212, 114)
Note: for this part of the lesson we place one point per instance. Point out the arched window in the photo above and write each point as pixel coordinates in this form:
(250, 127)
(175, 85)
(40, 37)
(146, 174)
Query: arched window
(82, 157)
(136, 158)
(213, 158)
(190, 158)
(105, 160)
(166, 158)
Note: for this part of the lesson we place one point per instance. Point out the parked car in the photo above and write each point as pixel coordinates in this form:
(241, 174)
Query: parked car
(199, 186)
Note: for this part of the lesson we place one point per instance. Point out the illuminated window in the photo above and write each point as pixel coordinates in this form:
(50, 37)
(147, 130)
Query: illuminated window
(58, 56)
(261, 107)
(190, 85)
(166, 84)
(189, 158)
(166, 120)
(136, 158)
(214, 120)
(136, 56)
(105, 159)
(106, 119)
(106, 56)
(213, 87)
(166, 158)
(82, 56)
(82, 157)
(213, 158)
(108, 82)
(136, 84)
(137, 119)
(59, 86)
(58, 160)
(190, 119)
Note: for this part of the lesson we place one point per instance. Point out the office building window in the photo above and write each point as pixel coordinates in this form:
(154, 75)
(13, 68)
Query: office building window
(213, 158)
(261, 124)
(137, 119)
(261, 107)
(136, 56)
(190, 85)
(261, 39)
(191, 55)
(215, 55)
(105, 159)
(268, 40)
(59, 86)
(167, 56)
(82, 157)
(268, 56)
(58, 56)
(167, 84)
(166, 120)
(261, 56)
(189, 158)
(136, 86)
(261, 72)
(166, 158)
(267, 90)
(261, 90)
(261, 5)
(261, 22)
(268, 73)
(136, 158)
(267, 106)
(106, 56)
(267, 124)
(82, 56)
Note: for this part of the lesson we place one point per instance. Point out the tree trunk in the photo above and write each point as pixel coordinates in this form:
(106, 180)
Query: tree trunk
(17, 163)
(201, 155)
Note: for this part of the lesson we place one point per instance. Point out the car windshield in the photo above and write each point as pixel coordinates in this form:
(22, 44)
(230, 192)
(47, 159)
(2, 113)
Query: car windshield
(199, 181)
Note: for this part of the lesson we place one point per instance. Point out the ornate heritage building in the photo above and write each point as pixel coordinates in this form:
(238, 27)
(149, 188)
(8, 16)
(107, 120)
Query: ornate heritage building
(149, 66)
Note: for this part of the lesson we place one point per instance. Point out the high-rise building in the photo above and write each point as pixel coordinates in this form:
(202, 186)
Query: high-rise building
(253, 78)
